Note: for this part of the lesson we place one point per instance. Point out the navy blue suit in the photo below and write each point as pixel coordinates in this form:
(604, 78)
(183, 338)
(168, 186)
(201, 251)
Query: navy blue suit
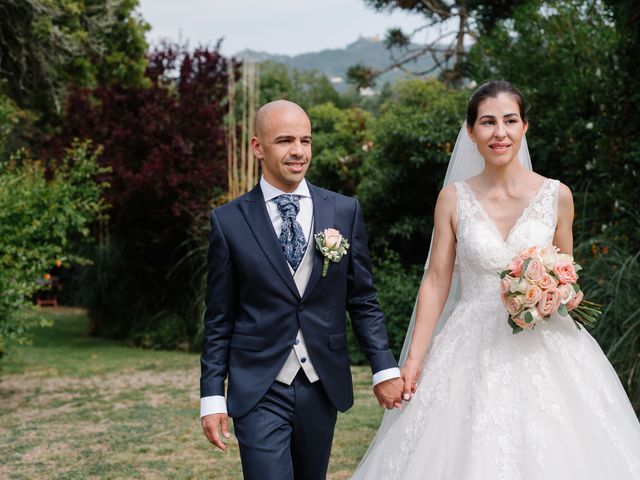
(253, 308)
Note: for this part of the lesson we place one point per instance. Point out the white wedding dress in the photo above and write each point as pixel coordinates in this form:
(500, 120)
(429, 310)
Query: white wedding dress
(542, 404)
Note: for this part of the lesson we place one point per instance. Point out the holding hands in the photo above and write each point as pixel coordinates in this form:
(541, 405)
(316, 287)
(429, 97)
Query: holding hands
(389, 393)
(410, 371)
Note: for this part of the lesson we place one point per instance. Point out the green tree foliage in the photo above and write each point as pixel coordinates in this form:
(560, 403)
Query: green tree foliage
(306, 88)
(412, 142)
(40, 220)
(340, 144)
(458, 20)
(47, 44)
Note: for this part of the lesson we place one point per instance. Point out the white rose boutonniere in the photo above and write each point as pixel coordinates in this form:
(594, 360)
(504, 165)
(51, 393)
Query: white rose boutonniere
(332, 246)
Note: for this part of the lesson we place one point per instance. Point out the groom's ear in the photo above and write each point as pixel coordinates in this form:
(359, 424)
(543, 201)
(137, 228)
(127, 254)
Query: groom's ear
(257, 148)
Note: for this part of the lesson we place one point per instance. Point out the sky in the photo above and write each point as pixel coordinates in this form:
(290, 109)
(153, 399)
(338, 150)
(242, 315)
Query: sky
(275, 26)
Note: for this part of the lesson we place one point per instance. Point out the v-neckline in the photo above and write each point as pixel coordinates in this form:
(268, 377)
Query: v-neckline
(531, 201)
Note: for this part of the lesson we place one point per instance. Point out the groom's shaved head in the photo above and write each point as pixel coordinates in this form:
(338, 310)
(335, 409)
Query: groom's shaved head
(267, 111)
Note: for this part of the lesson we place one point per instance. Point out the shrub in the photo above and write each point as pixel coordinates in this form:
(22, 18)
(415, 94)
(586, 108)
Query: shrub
(40, 221)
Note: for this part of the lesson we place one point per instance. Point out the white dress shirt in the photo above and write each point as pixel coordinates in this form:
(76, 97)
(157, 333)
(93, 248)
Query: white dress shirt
(299, 356)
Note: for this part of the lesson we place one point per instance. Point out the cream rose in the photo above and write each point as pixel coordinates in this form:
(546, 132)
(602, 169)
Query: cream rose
(533, 295)
(566, 293)
(530, 252)
(547, 281)
(549, 302)
(332, 237)
(565, 257)
(518, 285)
(549, 256)
(534, 270)
(575, 301)
(565, 272)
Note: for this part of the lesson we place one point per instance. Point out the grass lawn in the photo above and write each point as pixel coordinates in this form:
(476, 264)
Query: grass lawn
(77, 407)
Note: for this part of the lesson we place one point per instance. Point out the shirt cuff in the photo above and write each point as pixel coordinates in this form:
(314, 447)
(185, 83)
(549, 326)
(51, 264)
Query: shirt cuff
(386, 374)
(212, 404)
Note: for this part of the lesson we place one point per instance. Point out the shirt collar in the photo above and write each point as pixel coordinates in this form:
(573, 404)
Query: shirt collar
(270, 192)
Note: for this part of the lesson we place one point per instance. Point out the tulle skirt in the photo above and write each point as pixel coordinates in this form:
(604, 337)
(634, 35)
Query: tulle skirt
(542, 404)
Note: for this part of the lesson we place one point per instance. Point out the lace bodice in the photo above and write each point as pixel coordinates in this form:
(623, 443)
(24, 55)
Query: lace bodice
(481, 251)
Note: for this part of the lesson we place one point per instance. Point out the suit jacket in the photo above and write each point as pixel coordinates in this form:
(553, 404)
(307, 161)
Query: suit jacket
(253, 308)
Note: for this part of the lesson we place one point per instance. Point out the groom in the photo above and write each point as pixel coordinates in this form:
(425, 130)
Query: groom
(275, 326)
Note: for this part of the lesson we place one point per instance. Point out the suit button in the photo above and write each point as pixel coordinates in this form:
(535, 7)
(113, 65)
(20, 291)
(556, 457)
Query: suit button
(303, 360)
(296, 342)
(300, 308)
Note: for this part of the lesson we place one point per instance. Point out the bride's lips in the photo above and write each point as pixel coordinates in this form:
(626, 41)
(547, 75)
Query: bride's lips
(499, 147)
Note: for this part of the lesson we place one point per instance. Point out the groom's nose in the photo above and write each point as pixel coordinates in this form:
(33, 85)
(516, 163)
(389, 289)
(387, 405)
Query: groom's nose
(296, 149)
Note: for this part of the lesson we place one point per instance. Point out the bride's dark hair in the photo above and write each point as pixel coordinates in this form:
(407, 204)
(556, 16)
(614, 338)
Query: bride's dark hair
(491, 90)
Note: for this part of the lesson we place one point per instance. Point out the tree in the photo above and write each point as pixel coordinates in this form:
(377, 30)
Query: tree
(40, 221)
(166, 149)
(412, 141)
(47, 44)
(340, 144)
(458, 21)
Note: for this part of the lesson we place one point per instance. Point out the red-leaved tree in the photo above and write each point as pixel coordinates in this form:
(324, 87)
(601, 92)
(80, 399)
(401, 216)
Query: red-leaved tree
(165, 144)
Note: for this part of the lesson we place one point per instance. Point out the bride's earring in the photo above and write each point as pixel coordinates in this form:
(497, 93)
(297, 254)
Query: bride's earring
(474, 147)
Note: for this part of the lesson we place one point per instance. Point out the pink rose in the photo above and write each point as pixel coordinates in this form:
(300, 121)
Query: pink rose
(521, 322)
(534, 271)
(332, 237)
(505, 283)
(533, 295)
(514, 305)
(575, 301)
(549, 302)
(547, 281)
(565, 272)
(516, 267)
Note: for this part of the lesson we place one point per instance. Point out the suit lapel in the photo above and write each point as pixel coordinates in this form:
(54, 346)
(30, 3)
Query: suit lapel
(323, 217)
(255, 212)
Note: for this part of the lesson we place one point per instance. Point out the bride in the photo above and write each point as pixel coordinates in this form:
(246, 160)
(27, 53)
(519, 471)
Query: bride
(486, 404)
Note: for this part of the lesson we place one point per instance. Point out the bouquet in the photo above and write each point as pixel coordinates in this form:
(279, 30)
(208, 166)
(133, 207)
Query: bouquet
(540, 282)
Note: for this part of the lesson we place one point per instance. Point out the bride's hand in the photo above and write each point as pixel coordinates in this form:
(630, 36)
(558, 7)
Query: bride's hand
(410, 373)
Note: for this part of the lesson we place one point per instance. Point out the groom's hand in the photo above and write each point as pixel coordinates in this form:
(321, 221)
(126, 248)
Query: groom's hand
(212, 425)
(389, 393)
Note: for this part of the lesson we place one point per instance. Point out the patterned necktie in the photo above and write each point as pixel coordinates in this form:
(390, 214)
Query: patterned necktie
(291, 237)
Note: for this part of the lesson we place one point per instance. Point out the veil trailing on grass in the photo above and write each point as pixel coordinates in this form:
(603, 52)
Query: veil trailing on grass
(465, 162)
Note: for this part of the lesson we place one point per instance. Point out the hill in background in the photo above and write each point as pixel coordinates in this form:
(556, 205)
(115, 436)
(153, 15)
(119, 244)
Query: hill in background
(335, 63)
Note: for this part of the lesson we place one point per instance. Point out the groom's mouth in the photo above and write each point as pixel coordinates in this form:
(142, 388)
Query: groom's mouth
(295, 166)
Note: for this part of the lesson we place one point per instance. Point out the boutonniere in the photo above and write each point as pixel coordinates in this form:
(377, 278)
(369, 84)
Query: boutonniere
(332, 246)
